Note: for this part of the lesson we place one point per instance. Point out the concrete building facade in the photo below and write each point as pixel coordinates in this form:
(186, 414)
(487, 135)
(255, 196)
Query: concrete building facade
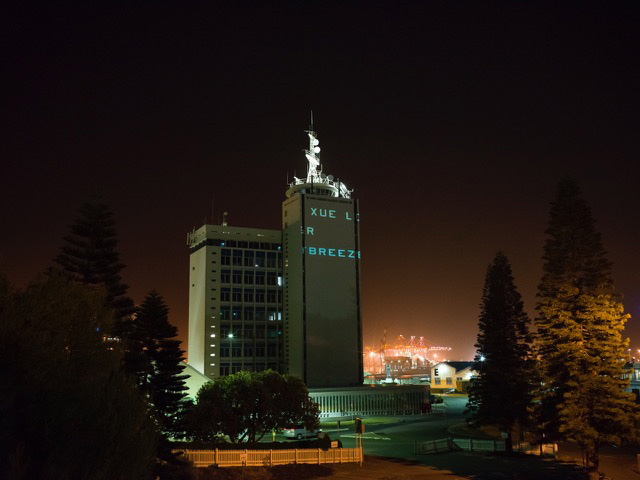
(322, 289)
(235, 300)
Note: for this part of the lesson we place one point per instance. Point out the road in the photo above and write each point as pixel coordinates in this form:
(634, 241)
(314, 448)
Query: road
(402, 432)
(391, 454)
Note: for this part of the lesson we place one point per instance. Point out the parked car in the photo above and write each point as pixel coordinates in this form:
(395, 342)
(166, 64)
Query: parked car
(299, 432)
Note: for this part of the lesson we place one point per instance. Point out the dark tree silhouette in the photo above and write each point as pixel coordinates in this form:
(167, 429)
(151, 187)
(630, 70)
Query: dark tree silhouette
(502, 391)
(66, 409)
(158, 361)
(247, 405)
(89, 256)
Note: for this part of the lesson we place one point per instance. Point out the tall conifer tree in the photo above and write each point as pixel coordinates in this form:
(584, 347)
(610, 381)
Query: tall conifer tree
(159, 363)
(501, 393)
(579, 342)
(89, 256)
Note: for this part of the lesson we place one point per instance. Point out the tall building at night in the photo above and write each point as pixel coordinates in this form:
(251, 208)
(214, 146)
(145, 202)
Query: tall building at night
(283, 299)
(320, 234)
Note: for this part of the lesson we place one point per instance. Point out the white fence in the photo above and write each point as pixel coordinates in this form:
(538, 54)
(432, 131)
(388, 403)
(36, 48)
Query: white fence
(475, 445)
(265, 458)
(433, 446)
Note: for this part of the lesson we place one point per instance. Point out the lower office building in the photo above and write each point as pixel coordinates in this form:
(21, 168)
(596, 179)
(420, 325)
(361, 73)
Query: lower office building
(235, 300)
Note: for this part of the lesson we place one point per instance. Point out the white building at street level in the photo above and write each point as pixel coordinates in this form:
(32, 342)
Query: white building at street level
(448, 374)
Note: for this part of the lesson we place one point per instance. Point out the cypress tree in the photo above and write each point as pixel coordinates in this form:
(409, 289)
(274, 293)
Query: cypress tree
(159, 363)
(501, 392)
(579, 342)
(89, 256)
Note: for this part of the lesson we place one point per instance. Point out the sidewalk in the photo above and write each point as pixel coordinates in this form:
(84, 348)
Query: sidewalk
(615, 463)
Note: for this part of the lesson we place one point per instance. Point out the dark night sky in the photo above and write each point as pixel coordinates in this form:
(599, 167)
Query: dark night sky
(453, 121)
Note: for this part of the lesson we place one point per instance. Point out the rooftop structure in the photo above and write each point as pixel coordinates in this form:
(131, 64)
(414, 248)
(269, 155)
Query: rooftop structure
(316, 181)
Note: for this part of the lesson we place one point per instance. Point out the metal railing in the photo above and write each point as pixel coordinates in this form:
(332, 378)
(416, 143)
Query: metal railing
(484, 445)
(265, 458)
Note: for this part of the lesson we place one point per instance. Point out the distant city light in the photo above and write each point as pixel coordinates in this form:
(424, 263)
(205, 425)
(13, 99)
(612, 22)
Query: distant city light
(482, 358)
(230, 335)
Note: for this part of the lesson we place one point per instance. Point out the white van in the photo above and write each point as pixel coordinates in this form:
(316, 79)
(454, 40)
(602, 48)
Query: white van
(299, 432)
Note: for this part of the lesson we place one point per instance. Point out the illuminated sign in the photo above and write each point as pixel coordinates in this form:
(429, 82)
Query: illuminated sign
(330, 213)
(332, 252)
(328, 231)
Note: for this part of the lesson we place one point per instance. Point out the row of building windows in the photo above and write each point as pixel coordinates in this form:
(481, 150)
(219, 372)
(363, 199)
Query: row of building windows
(249, 258)
(252, 245)
(448, 380)
(248, 295)
(249, 350)
(249, 331)
(216, 242)
(258, 314)
(260, 278)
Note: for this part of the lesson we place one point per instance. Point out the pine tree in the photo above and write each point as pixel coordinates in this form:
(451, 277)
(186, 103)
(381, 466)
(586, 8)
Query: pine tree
(501, 393)
(89, 256)
(579, 341)
(159, 363)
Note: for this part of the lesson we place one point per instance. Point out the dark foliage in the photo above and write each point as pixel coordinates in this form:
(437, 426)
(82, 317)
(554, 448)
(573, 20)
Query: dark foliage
(155, 357)
(502, 391)
(247, 405)
(67, 410)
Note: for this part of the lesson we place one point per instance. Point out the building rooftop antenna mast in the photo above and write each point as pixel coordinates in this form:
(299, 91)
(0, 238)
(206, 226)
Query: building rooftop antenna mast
(316, 181)
(314, 168)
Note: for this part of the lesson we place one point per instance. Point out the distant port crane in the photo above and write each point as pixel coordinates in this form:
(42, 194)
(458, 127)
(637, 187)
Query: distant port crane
(420, 351)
